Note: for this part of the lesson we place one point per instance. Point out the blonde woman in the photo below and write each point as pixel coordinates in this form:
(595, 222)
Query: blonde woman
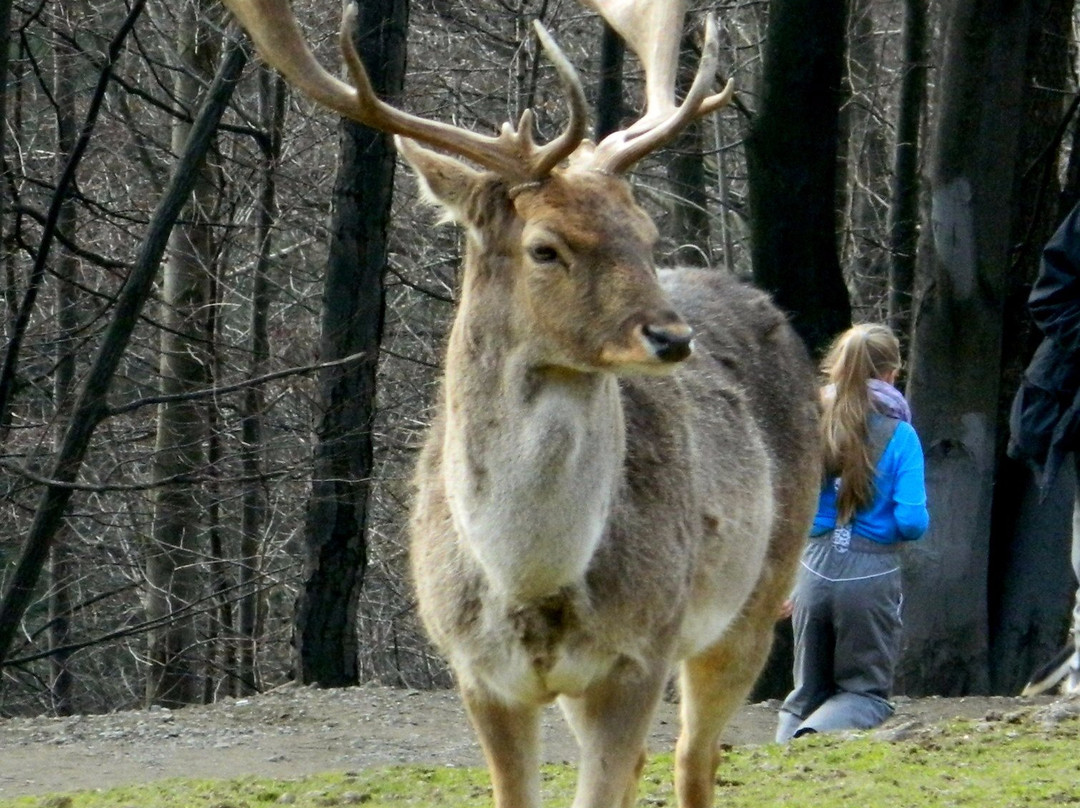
(847, 600)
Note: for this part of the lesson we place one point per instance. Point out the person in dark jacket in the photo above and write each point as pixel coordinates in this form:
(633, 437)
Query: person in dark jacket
(1045, 416)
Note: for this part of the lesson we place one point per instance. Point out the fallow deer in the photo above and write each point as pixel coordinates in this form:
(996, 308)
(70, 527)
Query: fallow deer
(623, 463)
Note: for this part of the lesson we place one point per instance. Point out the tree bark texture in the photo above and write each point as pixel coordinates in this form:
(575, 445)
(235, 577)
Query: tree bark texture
(791, 160)
(91, 405)
(5, 203)
(61, 572)
(173, 569)
(609, 100)
(954, 385)
(867, 164)
(17, 327)
(1030, 578)
(254, 508)
(352, 319)
(689, 219)
(1032, 597)
(904, 210)
(218, 637)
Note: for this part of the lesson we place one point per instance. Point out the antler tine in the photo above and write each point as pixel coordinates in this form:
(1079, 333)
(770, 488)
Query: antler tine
(564, 145)
(276, 34)
(620, 150)
(651, 28)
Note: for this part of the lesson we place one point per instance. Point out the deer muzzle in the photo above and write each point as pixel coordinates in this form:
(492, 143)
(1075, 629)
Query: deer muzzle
(671, 342)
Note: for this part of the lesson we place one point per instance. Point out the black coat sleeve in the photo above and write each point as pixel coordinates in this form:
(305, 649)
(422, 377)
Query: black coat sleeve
(1046, 407)
(1055, 298)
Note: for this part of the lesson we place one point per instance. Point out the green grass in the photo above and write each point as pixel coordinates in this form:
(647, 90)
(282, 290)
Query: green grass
(1001, 764)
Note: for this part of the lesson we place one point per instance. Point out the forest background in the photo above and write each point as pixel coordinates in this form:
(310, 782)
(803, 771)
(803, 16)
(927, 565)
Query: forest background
(224, 311)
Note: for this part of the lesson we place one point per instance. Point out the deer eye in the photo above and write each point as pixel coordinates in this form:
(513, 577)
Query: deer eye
(544, 254)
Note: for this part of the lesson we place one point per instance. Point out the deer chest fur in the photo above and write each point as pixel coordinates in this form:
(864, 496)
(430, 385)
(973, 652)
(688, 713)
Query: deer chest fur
(530, 466)
(537, 597)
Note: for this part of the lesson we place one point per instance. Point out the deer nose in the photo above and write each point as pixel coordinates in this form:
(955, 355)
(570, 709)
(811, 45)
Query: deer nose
(669, 343)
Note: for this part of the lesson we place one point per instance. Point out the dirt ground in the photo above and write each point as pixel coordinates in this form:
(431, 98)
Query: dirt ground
(295, 731)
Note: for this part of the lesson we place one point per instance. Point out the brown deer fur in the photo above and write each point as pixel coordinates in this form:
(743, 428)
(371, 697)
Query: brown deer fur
(596, 500)
(585, 515)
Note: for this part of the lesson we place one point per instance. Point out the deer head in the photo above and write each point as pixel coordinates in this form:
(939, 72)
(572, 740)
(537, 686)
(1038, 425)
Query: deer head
(581, 245)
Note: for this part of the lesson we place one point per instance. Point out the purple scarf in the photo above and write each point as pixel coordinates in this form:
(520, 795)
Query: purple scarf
(889, 401)
(886, 399)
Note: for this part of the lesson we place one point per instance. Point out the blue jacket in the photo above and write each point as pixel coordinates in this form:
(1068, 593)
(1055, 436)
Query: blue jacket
(898, 512)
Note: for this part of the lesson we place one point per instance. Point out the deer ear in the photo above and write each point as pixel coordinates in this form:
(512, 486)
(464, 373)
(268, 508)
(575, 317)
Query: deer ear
(444, 181)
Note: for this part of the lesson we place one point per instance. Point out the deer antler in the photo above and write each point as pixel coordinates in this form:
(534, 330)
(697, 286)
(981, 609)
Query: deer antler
(651, 29)
(513, 154)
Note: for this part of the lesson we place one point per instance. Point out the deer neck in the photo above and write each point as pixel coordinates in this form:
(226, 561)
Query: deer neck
(533, 455)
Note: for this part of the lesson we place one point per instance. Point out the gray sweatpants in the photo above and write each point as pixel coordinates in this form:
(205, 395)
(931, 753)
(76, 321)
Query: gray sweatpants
(847, 636)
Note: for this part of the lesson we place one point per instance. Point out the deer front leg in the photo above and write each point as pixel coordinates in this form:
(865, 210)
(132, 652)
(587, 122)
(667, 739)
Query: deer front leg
(713, 685)
(510, 737)
(611, 721)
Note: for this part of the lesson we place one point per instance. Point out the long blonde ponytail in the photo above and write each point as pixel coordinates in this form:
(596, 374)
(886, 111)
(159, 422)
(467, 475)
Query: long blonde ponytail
(863, 352)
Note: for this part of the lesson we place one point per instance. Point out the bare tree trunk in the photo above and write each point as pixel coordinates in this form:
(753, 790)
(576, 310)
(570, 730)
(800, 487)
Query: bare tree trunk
(791, 160)
(904, 208)
(65, 92)
(219, 642)
(864, 259)
(172, 564)
(6, 247)
(353, 299)
(91, 406)
(953, 397)
(689, 222)
(272, 113)
(723, 192)
(1031, 583)
(609, 100)
(8, 236)
(19, 323)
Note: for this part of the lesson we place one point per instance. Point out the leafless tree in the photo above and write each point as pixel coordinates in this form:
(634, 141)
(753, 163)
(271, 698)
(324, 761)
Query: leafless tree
(953, 396)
